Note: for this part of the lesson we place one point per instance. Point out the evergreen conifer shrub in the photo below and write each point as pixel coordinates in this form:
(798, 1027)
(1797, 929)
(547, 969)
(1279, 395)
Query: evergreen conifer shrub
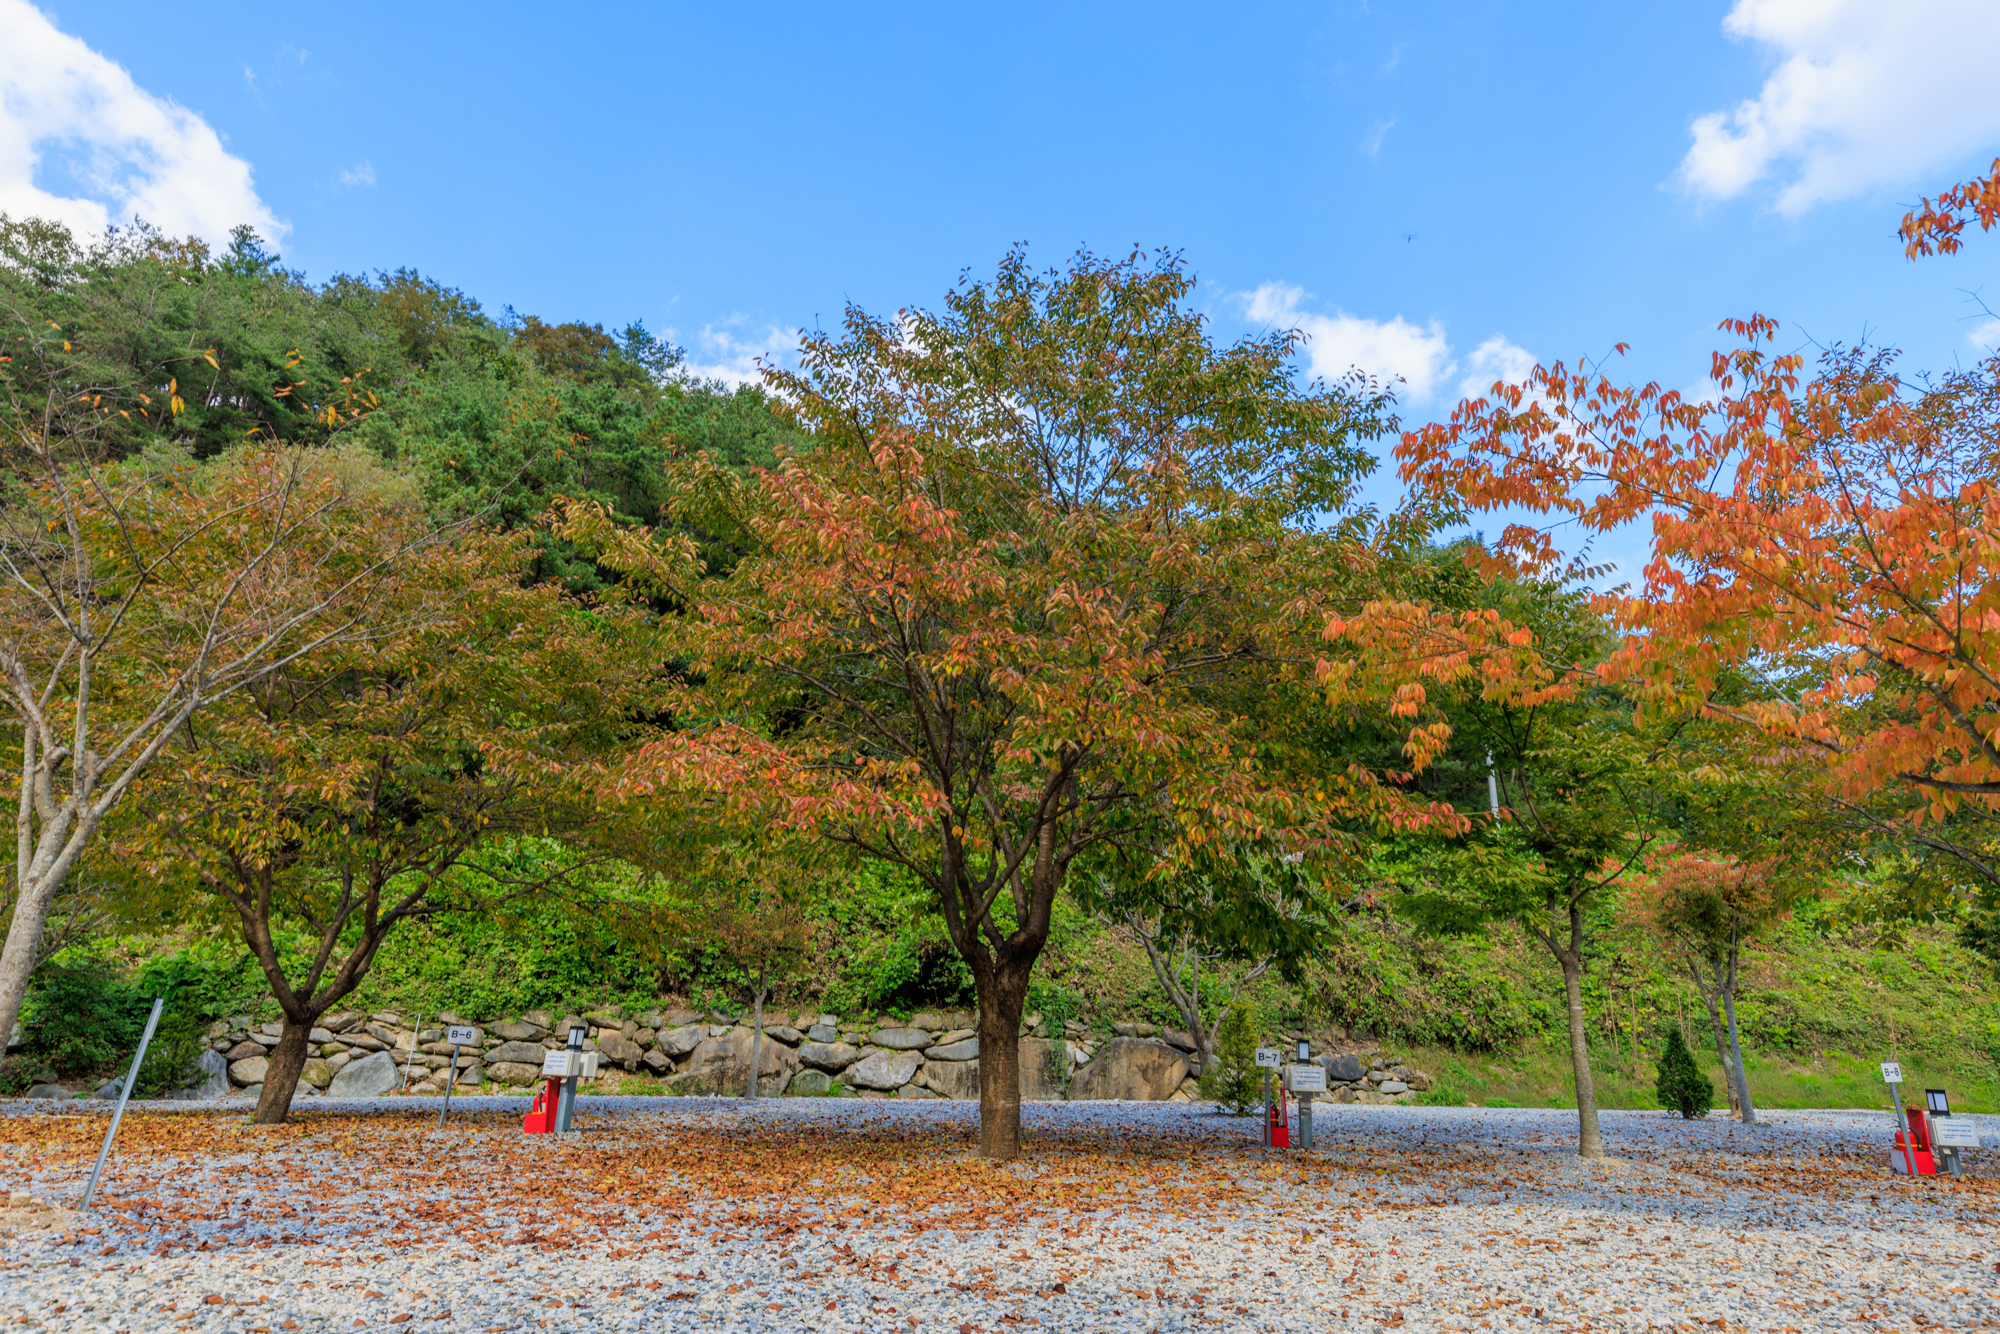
(1682, 1086)
(1234, 1080)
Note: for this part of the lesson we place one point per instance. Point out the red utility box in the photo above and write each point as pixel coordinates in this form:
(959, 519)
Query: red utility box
(1277, 1132)
(541, 1118)
(1912, 1154)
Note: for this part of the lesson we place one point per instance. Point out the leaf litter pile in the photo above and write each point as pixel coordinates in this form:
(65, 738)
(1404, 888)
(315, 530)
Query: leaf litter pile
(847, 1215)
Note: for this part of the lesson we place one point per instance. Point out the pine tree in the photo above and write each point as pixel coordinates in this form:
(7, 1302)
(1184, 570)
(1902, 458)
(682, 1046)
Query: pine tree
(1683, 1087)
(1233, 1078)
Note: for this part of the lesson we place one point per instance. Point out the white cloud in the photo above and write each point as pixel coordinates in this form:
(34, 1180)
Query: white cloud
(1493, 360)
(118, 152)
(1371, 143)
(1865, 94)
(722, 353)
(1985, 336)
(361, 173)
(1339, 343)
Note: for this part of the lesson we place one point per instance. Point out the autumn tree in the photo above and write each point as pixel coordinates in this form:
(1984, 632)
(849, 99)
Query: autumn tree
(379, 782)
(1831, 534)
(751, 910)
(135, 594)
(1009, 603)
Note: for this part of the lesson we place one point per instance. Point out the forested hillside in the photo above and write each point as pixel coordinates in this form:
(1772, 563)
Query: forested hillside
(1029, 660)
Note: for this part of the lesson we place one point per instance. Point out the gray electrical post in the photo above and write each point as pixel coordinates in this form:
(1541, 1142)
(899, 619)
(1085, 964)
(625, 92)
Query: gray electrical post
(567, 1103)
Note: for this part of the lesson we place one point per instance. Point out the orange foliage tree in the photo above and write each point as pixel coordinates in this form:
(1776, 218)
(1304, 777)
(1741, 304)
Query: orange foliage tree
(1018, 601)
(1835, 535)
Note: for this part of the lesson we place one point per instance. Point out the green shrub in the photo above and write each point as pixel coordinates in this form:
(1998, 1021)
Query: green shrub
(173, 1057)
(1682, 1086)
(1235, 1080)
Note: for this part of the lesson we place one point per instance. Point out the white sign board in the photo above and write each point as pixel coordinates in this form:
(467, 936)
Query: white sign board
(589, 1070)
(1270, 1058)
(459, 1037)
(1892, 1072)
(562, 1064)
(1946, 1135)
(1306, 1079)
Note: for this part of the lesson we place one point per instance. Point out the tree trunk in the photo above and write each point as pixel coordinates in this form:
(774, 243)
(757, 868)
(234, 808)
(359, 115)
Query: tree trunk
(17, 958)
(1749, 1112)
(1721, 1036)
(1003, 994)
(283, 1067)
(757, 1036)
(1589, 1141)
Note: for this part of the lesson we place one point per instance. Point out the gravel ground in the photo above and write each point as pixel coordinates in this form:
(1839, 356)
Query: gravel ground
(842, 1215)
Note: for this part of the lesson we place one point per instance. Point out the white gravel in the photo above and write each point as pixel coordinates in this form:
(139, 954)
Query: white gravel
(1120, 1217)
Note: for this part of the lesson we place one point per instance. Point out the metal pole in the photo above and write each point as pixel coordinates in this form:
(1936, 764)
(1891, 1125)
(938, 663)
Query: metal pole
(447, 1086)
(124, 1096)
(415, 1033)
(1902, 1133)
(567, 1103)
(1305, 1120)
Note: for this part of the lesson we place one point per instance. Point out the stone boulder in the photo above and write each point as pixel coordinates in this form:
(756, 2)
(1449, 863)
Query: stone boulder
(823, 1033)
(966, 1049)
(523, 1053)
(784, 1033)
(249, 1070)
(914, 1090)
(810, 1084)
(657, 1061)
(214, 1083)
(1044, 1065)
(620, 1050)
(317, 1073)
(1345, 1068)
(1130, 1070)
(901, 1039)
(884, 1069)
(722, 1065)
(370, 1077)
(678, 1042)
(110, 1089)
(245, 1050)
(952, 1079)
(517, 1031)
(928, 1020)
(340, 1023)
(513, 1072)
(832, 1057)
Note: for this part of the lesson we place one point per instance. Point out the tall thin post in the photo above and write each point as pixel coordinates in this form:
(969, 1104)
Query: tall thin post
(124, 1096)
(446, 1109)
(415, 1034)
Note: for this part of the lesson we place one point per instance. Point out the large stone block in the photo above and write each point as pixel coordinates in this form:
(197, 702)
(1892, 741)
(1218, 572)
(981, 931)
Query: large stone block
(810, 1084)
(722, 1065)
(823, 1033)
(901, 1039)
(678, 1042)
(513, 1072)
(832, 1057)
(316, 1073)
(523, 1053)
(515, 1030)
(249, 1070)
(884, 1069)
(965, 1050)
(370, 1077)
(1130, 1070)
(1044, 1070)
(620, 1050)
(952, 1079)
(1345, 1068)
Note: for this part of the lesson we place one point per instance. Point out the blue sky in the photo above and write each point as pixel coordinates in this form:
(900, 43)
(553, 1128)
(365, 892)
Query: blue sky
(1440, 191)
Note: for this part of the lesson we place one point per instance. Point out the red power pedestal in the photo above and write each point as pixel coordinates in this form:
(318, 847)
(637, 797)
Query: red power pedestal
(541, 1118)
(1277, 1134)
(1912, 1154)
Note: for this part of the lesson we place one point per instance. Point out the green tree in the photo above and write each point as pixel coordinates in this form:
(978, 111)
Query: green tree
(1682, 1087)
(1233, 1079)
